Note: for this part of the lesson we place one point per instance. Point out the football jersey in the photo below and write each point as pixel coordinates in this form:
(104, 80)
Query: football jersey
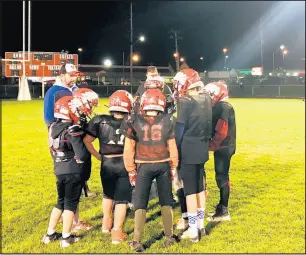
(107, 129)
(225, 111)
(151, 135)
(195, 113)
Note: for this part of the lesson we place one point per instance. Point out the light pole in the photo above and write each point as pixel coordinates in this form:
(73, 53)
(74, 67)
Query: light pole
(43, 82)
(225, 58)
(202, 58)
(225, 50)
(80, 50)
(284, 52)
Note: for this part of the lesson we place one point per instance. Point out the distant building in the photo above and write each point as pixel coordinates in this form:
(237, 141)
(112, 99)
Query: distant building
(120, 75)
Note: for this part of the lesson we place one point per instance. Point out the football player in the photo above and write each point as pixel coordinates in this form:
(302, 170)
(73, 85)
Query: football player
(69, 154)
(223, 144)
(192, 131)
(114, 177)
(154, 81)
(150, 153)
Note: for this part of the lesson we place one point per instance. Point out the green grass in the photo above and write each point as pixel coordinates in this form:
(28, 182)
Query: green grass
(267, 202)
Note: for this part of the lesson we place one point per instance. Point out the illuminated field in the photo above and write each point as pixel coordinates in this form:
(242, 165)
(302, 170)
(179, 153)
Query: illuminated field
(267, 179)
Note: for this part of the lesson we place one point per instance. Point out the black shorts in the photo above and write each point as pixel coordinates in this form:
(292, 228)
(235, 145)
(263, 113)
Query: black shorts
(69, 189)
(115, 180)
(192, 176)
(146, 173)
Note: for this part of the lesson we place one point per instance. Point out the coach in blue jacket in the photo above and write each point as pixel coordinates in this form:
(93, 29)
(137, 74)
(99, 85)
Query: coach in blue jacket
(66, 82)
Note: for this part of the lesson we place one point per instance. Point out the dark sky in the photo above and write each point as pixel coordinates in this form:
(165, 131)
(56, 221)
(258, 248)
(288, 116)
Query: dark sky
(102, 29)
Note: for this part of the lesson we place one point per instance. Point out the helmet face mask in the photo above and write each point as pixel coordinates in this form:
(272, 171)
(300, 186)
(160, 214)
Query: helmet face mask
(154, 82)
(185, 80)
(217, 91)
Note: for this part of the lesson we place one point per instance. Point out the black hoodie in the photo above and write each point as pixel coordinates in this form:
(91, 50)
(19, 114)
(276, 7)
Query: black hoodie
(68, 150)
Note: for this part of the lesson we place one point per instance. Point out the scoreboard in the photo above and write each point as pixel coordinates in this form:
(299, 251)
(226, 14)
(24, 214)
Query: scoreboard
(40, 64)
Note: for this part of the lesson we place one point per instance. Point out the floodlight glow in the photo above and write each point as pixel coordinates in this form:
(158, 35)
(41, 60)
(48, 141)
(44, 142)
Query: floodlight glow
(107, 62)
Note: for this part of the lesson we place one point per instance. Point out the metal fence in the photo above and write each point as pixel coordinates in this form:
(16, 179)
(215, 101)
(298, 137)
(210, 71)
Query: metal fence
(268, 91)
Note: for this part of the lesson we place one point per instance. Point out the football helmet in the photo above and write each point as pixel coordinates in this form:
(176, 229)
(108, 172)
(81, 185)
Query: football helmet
(217, 91)
(153, 99)
(89, 99)
(121, 101)
(66, 108)
(186, 79)
(154, 82)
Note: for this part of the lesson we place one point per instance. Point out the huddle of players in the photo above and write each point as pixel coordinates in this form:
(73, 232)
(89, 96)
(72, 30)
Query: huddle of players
(136, 148)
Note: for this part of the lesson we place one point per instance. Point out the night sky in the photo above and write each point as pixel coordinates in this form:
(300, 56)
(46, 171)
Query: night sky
(102, 30)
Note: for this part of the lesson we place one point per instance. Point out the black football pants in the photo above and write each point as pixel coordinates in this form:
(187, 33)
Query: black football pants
(146, 173)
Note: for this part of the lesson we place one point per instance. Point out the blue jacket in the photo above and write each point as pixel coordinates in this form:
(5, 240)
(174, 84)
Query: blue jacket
(49, 102)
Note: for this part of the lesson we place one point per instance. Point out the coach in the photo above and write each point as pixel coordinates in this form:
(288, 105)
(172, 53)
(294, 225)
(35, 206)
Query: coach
(66, 81)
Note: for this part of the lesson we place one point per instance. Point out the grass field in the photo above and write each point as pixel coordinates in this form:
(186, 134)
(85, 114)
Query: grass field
(267, 175)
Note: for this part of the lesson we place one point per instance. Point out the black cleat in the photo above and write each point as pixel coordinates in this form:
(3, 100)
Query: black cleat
(221, 214)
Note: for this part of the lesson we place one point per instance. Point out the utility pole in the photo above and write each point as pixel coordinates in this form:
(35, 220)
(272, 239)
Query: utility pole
(131, 44)
(261, 40)
(177, 55)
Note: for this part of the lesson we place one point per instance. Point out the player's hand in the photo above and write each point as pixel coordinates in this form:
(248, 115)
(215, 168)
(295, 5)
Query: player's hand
(75, 130)
(173, 172)
(98, 157)
(132, 177)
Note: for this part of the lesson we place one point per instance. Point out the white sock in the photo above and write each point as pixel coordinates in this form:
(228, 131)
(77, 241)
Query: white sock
(200, 214)
(192, 221)
(65, 235)
(50, 231)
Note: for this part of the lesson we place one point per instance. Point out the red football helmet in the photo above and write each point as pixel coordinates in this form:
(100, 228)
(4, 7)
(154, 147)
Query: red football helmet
(153, 99)
(217, 90)
(154, 82)
(62, 109)
(186, 79)
(89, 99)
(120, 101)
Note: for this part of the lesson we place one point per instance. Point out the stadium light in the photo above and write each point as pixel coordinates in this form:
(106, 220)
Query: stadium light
(282, 47)
(107, 62)
(136, 57)
(142, 38)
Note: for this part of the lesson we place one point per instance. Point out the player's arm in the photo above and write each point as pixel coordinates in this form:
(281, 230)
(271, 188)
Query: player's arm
(129, 154)
(92, 130)
(182, 118)
(74, 136)
(88, 141)
(172, 146)
(221, 130)
(129, 148)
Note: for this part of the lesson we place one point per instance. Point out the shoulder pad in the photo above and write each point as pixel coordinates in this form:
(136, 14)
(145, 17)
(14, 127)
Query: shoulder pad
(101, 118)
(75, 130)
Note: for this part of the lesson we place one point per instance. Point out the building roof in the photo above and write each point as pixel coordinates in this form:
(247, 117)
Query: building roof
(101, 69)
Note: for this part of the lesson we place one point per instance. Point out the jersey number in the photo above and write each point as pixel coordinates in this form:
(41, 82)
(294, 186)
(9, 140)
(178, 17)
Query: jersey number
(120, 140)
(154, 132)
